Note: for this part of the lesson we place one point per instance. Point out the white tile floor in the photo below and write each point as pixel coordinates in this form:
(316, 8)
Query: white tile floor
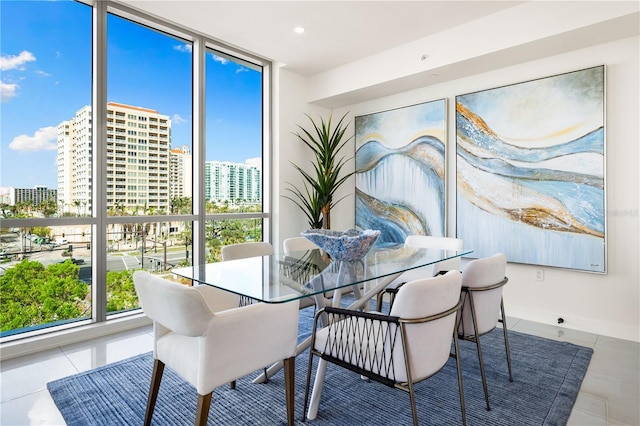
(610, 392)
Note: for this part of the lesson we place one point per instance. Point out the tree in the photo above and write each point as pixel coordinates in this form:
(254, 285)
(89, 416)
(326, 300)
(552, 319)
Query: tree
(121, 293)
(48, 207)
(42, 231)
(77, 204)
(34, 295)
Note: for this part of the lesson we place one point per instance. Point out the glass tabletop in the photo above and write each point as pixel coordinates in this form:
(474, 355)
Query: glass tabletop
(282, 278)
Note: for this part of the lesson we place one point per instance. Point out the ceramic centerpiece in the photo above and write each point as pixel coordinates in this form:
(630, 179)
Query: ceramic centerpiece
(350, 245)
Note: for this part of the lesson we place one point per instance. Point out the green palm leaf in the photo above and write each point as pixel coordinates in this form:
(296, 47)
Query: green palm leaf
(317, 197)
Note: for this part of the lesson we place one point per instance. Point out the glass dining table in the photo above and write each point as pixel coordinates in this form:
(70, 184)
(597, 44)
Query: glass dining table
(287, 278)
(284, 278)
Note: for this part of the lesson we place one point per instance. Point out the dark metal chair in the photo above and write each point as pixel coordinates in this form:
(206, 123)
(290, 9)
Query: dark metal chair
(411, 344)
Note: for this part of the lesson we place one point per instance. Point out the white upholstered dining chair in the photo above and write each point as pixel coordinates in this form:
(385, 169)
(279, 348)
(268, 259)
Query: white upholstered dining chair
(424, 241)
(411, 344)
(244, 250)
(483, 307)
(208, 348)
(297, 244)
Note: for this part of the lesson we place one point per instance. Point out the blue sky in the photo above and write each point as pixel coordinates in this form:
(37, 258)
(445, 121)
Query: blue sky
(45, 64)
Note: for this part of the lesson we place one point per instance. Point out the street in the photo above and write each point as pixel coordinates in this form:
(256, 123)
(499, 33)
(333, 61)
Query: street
(116, 261)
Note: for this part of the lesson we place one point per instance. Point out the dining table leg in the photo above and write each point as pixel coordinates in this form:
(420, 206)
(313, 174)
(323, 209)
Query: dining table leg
(318, 382)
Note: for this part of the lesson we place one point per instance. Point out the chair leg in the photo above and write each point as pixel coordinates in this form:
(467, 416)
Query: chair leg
(289, 381)
(156, 378)
(307, 386)
(202, 409)
(379, 301)
(407, 364)
(463, 409)
(480, 360)
(506, 339)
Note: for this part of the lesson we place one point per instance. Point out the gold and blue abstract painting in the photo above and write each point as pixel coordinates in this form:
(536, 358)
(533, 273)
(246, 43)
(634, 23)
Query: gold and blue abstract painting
(530, 171)
(400, 171)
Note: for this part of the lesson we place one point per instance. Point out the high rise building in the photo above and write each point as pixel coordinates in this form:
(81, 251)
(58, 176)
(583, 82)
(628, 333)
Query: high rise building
(232, 182)
(138, 145)
(35, 195)
(180, 172)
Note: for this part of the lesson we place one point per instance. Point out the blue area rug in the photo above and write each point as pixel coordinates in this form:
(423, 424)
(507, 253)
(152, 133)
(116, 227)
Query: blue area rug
(547, 378)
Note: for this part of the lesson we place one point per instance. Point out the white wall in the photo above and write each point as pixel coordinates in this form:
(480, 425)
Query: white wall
(606, 304)
(290, 107)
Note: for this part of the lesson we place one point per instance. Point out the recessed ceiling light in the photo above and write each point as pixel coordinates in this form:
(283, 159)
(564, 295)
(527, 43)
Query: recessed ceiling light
(298, 30)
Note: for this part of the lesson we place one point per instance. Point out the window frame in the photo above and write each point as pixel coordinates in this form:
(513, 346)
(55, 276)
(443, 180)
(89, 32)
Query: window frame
(99, 220)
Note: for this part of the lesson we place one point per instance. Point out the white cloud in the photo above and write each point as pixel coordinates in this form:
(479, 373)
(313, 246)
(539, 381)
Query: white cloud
(220, 59)
(7, 91)
(255, 161)
(183, 48)
(177, 119)
(10, 62)
(43, 73)
(44, 139)
(241, 69)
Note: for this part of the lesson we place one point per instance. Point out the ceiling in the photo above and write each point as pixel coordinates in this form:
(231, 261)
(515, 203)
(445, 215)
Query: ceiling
(336, 32)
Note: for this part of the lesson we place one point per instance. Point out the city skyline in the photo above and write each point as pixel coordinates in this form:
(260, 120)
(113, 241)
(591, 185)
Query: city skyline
(46, 79)
(142, 168)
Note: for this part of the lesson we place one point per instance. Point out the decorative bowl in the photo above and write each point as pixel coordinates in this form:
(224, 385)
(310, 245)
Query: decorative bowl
(350, 245)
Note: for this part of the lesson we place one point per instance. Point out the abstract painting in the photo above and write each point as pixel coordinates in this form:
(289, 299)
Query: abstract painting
(530, 171)
(400, 171)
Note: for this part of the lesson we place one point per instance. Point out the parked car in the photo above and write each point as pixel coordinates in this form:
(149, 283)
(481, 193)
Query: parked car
(74, 260)
(59, 242)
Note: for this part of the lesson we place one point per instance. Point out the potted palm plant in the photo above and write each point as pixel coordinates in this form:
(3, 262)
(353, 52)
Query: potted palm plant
(316, 196)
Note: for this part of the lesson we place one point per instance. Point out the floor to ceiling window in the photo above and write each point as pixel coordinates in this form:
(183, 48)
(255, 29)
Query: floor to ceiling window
(233, 151)
(45, 217)
(96, 184)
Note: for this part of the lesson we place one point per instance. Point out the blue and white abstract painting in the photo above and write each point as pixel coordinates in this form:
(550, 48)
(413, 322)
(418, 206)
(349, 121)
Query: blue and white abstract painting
(400, 171)
(530, 171)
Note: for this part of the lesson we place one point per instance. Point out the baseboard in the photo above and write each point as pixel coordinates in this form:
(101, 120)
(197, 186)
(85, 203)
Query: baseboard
(588, 325)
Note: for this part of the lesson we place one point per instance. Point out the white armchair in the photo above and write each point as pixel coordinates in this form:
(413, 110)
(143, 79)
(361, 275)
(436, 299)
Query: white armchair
(297, 244)
(483, 307)
(244, 250)
(209, 349)
(424, 241)
(411, 344)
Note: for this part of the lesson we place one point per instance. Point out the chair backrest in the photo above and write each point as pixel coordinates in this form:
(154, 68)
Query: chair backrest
(177, 307)
(445, 243)
(429, 343)
(244, 250)
(298, 244)
(482, 273)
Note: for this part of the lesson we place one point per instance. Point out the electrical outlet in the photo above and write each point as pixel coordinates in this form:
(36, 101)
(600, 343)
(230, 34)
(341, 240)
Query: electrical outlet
(539, 274)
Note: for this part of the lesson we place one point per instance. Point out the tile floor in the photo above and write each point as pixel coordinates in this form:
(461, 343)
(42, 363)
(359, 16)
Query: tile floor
(610, 392)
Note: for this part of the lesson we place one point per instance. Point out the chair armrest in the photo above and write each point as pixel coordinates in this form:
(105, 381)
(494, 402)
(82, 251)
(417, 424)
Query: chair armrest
(392, 291)
(359, 314)
(364, 342)
(487, 287)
